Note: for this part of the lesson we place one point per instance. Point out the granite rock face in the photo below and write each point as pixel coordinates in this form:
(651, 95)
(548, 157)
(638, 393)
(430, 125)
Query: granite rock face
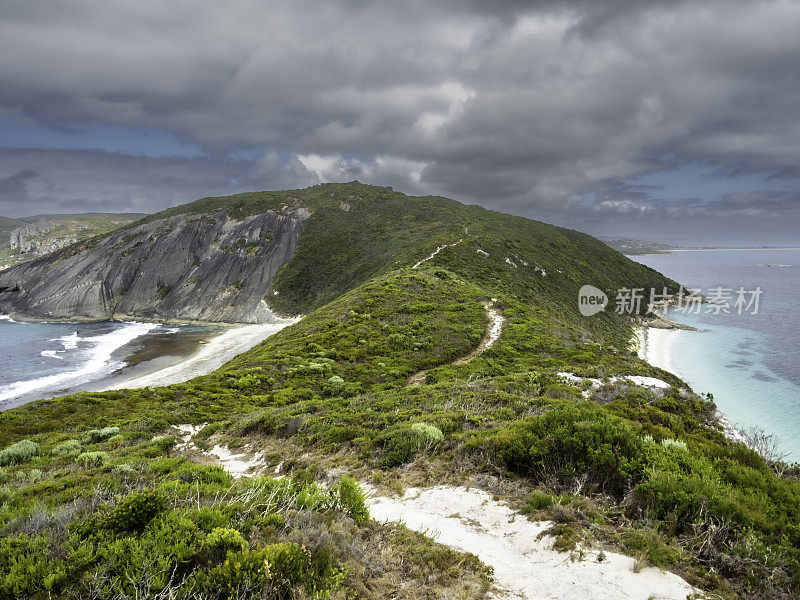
(184, 268)
(30, 239)
(50, 233)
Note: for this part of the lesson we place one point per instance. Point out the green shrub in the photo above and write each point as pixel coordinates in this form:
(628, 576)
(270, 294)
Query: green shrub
(136, 511)
(429, 435)
(125, 469)
(164, 442)
(401, 443)
(91, 459)
(651, 545)
(353, 500)
(33, 475)
(210, 474)
(289, 566)
(222, 540)
(336, 385)
(241, 575)
(399, 446)
(94, 436)
(68, 448)
(572, 441)
(542, 501)
(19, 453)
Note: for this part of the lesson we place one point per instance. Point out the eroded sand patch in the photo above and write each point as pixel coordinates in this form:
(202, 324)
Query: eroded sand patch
(525, 565)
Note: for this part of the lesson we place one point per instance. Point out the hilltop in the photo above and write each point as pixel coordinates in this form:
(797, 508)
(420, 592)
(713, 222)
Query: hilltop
(441, 345)
(242, 258)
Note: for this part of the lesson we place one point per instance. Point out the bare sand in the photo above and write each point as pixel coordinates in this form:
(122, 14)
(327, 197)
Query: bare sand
(526, 567)
(209, 357)
(655, 346)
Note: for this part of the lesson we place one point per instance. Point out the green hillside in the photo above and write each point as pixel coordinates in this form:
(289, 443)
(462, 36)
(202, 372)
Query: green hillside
(99, 496)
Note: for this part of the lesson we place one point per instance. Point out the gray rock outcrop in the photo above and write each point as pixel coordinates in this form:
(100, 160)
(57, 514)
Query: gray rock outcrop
(33, 239)
(183, 268)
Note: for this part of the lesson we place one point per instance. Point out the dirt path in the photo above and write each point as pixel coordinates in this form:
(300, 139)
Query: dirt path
(496, 322)
(435, 252)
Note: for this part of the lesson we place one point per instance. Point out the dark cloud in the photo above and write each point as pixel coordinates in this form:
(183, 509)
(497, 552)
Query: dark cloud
(12, 186)
(86, 181)
(531, 107)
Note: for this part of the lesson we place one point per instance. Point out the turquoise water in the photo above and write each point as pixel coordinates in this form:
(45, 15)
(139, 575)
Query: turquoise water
(749, 362)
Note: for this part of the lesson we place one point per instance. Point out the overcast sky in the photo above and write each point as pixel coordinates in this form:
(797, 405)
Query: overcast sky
(662, 119)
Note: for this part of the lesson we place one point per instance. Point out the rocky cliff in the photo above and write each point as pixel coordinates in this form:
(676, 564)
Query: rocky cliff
(208, 267)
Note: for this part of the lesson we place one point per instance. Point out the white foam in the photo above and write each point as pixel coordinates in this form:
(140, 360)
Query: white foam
(7, 318)
(101, 349)
(70, 341)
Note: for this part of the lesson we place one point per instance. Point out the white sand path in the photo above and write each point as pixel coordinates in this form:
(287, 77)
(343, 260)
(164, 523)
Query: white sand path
(525, 565)
(496, 322)
(435, 252)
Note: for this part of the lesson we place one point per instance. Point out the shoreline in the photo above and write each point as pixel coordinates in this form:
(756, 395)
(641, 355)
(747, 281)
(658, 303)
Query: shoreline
(654, 345)
(210, 356)
(134, 355)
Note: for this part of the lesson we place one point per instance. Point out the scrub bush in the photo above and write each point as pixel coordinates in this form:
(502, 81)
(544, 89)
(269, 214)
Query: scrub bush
(94, 436)
(91, 459)
(136, 511)
(19, 453)
(68, 448)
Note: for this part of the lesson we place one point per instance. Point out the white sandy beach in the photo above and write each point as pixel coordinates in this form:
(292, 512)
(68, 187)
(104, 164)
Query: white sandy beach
(655, 346)
(209, 357)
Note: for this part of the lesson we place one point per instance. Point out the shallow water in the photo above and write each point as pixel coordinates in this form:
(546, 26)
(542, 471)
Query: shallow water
(749, 362)
(41, 360)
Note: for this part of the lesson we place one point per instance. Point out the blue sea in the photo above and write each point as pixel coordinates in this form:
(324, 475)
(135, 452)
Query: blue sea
(41, 360)
(749, 362)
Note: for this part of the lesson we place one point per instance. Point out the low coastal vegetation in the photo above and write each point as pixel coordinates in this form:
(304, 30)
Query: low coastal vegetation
(102, 497)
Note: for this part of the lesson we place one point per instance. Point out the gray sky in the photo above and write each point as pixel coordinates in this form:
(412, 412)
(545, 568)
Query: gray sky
(668, 119)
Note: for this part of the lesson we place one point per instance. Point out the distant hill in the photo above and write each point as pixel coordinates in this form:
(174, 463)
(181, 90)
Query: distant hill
(225, 259)
(634, 246)
(26, 238)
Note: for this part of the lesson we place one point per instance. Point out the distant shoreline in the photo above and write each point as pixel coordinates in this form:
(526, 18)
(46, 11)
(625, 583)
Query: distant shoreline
(151, 358)
(715, 249)
(733, 248)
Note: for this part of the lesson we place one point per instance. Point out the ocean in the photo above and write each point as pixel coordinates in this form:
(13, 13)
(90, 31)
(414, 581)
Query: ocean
(41, 360)
(749, 362)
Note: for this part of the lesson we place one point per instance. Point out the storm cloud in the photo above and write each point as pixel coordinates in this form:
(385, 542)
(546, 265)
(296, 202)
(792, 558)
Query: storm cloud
(550, 109)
